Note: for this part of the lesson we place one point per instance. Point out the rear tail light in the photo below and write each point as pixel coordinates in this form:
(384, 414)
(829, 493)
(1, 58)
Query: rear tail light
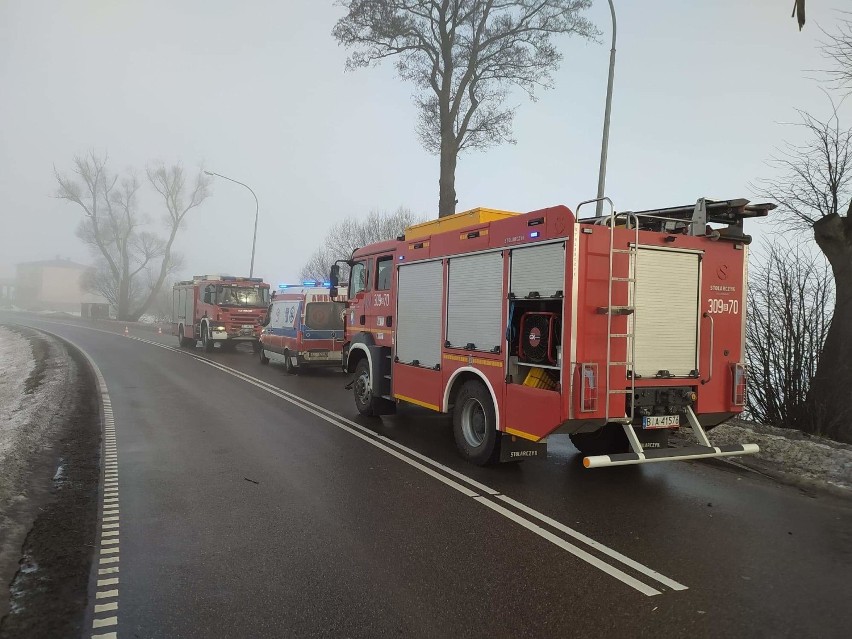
(740, 383)
(588, 388)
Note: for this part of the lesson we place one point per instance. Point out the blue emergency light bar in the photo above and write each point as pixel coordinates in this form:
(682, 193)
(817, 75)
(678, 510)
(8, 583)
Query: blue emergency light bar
(307, 283)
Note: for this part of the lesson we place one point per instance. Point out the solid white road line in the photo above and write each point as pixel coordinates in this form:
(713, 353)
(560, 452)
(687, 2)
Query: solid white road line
(371, 437)
(408, 456)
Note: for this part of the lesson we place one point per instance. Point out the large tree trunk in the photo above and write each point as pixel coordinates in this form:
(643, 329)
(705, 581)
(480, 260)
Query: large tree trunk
(831, 389)
(447, 180)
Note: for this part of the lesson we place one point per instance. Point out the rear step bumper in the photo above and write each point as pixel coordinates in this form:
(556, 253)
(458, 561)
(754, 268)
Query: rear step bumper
(670, 454)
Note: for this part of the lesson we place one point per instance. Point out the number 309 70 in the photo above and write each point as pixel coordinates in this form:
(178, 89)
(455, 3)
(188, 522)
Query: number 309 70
(720, 306)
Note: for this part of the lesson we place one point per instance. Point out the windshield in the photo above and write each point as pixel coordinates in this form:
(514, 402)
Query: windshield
(325, 316)
(242, 296)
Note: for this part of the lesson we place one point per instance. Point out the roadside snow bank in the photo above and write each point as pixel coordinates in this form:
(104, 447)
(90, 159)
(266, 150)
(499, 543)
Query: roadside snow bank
(16, 364)
(794, 456)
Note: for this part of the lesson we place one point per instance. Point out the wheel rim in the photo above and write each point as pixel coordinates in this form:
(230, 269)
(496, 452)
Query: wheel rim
(204, 338)
(362, 389)
(474, 422)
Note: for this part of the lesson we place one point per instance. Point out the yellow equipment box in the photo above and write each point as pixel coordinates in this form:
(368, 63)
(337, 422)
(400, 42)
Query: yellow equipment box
(455, 222)
(540, 378)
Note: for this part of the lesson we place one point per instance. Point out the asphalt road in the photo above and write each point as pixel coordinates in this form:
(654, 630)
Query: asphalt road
(246, 512)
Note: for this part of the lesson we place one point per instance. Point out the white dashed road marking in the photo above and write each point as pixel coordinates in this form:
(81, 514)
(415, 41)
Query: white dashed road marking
(106, 599)
(474, 489)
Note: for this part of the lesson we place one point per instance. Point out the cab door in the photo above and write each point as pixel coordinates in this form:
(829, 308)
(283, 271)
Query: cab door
(380, 307)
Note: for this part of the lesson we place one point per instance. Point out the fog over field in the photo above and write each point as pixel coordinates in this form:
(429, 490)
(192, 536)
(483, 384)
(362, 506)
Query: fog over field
(258, 92)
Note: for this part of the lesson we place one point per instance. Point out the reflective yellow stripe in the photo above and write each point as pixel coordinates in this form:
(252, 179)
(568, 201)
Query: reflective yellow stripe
(473, 360)
(417, 402)
(521, 433)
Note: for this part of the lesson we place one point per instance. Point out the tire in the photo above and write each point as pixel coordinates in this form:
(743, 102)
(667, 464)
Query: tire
(206, 342)
(608, 440)
(288, 364)
(256, 347)
(475, 424)
(185, 342)
(362, 390)
(263, 358)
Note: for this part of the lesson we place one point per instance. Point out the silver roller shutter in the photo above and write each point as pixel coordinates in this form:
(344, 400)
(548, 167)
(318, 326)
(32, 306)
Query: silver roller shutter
(540, 269)
(666, 318)
(475, 301)
(419, 294)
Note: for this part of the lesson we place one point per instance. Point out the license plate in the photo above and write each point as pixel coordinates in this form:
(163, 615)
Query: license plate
(661, 421)
(248, 325)
(318, 355)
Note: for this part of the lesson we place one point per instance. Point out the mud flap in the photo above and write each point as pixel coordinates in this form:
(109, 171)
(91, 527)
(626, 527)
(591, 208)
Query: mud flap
(514, 448)
(653, 439)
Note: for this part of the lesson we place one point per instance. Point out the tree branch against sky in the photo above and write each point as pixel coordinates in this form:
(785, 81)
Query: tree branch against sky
(355, 232)
(813, 188)
(131, 262)
(464, 58)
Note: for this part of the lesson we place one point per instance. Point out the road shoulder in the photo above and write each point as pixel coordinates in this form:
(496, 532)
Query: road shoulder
(51, 472)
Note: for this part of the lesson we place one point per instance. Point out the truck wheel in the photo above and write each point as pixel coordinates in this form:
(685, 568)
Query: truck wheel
(206, 342)
(608, 440)
(183, 341)
(259, 349)
(475, 424)
(365, 402)
(288, 364)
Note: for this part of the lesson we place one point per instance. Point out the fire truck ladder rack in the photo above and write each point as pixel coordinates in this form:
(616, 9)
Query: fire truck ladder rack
(610, 310)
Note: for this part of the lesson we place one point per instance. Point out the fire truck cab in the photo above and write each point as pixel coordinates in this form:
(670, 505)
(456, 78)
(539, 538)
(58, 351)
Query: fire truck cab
(218, 309)
(304, 327)
(611, 329)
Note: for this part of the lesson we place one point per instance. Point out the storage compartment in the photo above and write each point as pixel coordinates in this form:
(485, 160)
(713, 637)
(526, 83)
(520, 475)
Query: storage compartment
(475, 302)
(418, 337)
(665, 322)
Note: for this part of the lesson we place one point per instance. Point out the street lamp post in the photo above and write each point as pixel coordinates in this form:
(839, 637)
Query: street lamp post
(256, 210)
(605, 142)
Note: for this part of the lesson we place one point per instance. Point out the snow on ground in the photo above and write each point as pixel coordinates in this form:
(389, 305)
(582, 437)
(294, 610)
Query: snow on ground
(793, 455)
(16, 363)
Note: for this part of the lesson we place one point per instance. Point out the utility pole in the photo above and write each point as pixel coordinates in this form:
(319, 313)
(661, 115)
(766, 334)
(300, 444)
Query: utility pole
(256, 210)
(605, 142)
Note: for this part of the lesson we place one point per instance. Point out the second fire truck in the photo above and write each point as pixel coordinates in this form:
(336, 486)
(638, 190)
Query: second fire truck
(219, 309)
(614, 329)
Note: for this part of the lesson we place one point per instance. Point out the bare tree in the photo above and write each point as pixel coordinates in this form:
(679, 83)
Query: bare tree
(789, 313)
(179, 198)
(837, 49)
(352, 233)
(813, 188)
(464, 57)
(112, 226)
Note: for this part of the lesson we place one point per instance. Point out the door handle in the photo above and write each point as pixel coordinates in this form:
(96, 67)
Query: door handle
(712, 336)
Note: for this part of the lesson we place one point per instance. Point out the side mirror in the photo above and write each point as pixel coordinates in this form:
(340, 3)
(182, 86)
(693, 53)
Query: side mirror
(334, 276)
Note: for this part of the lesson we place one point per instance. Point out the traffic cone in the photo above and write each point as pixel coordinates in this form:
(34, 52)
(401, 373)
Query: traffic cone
(126, 331)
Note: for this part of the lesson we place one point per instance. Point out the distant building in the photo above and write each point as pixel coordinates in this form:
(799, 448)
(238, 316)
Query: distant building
(7, 291)
(52, 285)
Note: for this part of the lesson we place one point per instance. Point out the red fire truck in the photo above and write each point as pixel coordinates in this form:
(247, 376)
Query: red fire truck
(613, 329)
(304, 327)
(219, 309)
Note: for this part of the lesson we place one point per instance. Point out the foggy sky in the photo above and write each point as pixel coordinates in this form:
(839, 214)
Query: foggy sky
(257, 91)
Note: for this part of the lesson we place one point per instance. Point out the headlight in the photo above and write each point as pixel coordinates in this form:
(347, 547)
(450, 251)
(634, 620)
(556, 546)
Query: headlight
(220, 328)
